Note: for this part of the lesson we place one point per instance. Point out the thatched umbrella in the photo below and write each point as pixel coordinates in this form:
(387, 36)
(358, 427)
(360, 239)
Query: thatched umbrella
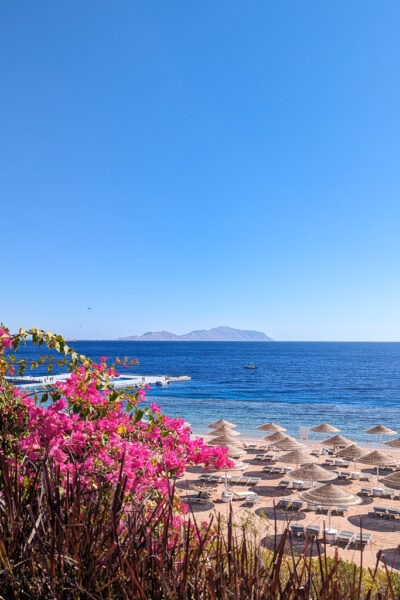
(352, 452)
(312, 472)
(336, 441)
(275, 437)
(219, 423)
(273, 427)
(380, 430)
(393, 480)
(378, 459)
(296, 457)
(287, 444)
(330, 495)
(325, 428)
(225, 440)
(225, 430)
(393, 443)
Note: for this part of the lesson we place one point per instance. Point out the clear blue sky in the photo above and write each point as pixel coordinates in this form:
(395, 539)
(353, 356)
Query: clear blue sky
(181, 165)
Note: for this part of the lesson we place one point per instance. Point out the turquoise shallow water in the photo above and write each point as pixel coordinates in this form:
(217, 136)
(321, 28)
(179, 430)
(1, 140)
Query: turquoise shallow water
(351, 385)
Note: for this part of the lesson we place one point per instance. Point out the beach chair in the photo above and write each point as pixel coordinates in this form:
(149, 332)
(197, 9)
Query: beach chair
(345, 537)
(252, 481)
(364, 477)
(297, 530)
(393, 513)
(251, 500)
(366, 491)
(328, 462)
(313, 531)
(196, 499)
(296, 505)
(242, 494)
(267, 468)
(282, 504)
(362, 539)
(388, 493)
(340, 510)
(344, 475)
(380, 511)
(323, 509)
(297, 485)
(284, 484)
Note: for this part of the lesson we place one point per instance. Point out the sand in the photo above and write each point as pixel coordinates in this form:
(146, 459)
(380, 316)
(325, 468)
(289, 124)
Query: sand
(385, 532)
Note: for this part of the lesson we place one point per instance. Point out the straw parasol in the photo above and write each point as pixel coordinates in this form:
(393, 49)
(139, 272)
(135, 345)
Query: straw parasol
(312, 472)
(296, 456)
(378, 459)
(219, 423)
(224, 440)
(352, 452)
(393, 443)
(287, 444)
(336, 441)
(330, 495)
(380, 430)
(393, 480)
(224, 430)
(273, 427)
(325, 428)
(275, 437)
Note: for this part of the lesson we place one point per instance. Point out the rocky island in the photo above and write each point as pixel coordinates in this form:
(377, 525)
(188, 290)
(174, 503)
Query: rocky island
(216, 334)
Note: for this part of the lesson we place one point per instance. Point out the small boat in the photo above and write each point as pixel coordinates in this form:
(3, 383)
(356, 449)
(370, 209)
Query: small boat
(250, 366)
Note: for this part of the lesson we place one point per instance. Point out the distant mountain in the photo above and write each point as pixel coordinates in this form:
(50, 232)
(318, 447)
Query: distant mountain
(217, 334)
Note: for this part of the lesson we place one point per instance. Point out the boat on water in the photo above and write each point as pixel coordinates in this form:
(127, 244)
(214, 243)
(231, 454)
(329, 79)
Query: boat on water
(250, 366)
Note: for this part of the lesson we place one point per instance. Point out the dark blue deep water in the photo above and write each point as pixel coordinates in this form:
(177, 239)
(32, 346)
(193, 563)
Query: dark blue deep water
(351, 385)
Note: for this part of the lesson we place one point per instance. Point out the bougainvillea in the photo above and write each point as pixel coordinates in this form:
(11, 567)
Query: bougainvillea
(89, 430)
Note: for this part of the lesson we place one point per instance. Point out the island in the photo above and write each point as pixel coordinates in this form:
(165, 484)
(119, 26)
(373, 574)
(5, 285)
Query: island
(216, 334)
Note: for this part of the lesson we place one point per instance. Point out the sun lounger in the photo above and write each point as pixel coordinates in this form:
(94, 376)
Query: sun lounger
(237, 480)
(284, 484)
(339, 462)
(250, 446)
(340, 510)
(393, 513)
(364, 477)
(362, 539)
(323, 509)
(252, 499)
(328, 462)
(297, 485)
(344, 475)
(297, 530)
(196, 499)
(242, 494)
(266, 457)
(388, 493)
(366, 491)
(380, 511)
(313, 531)
(345, 537)
(253, 480)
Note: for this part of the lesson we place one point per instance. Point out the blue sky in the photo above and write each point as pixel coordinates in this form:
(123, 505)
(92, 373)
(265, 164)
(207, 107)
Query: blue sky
(182, 165)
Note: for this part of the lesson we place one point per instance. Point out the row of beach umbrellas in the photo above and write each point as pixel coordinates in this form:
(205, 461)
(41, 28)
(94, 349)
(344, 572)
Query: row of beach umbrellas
(325, 493)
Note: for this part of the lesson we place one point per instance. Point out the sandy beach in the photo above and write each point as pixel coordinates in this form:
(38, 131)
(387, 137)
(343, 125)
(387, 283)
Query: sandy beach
(359, 480)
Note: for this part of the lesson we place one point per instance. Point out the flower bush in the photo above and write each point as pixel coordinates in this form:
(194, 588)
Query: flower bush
(89, 430)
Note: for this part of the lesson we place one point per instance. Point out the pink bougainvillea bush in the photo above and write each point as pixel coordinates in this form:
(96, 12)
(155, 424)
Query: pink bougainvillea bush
(86, 429)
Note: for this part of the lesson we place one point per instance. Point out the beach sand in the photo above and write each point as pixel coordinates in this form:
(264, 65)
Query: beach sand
(385, 532)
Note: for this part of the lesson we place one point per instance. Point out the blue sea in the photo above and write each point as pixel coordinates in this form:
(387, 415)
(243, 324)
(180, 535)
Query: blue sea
(353, 386)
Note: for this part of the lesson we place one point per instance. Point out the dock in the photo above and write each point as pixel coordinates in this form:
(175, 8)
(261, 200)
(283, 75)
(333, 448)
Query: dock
(29, 382)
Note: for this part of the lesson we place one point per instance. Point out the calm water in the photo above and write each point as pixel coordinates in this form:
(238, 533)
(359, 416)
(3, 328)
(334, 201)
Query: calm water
(351, 385)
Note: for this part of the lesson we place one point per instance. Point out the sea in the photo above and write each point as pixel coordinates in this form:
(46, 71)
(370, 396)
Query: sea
(352, 386)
